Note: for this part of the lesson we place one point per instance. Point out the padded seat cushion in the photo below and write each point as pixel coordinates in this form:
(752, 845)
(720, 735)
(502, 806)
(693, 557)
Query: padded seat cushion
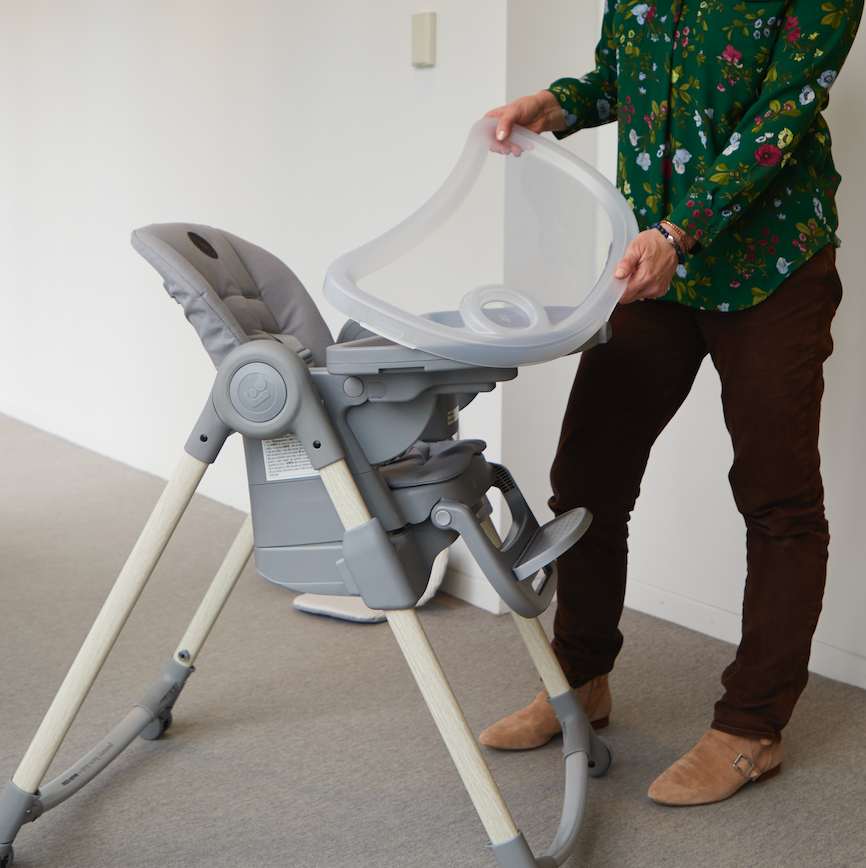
(232, 291)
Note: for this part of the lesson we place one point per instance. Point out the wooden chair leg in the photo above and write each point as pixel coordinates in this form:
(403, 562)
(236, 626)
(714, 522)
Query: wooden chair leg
(430, 678)
(452, 726)
(545, 661)
(217, 595)
(115, 611)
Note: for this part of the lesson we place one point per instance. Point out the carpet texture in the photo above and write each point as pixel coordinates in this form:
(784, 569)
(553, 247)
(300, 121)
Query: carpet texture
(303, 741)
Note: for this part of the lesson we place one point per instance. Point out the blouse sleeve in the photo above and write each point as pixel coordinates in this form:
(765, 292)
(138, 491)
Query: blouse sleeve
(591, 100)
(812, 46)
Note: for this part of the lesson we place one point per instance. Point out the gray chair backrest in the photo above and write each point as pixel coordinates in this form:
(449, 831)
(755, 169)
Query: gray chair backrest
(233, 291)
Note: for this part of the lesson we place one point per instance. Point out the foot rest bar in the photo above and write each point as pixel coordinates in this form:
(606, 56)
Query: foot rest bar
(550, 541)
(585, 755)
(158, 699)
(511, 566)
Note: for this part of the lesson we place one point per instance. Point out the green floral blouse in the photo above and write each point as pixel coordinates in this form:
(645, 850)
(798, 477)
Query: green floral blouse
(720, 131)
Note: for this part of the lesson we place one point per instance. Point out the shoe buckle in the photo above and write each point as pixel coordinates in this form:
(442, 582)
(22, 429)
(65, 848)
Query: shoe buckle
(747, 774)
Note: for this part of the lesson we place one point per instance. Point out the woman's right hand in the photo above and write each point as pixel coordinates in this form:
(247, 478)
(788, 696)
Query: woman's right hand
(649, 264)
(538, 113)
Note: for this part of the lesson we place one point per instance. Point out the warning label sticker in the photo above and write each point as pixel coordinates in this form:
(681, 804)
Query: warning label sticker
(285, 458)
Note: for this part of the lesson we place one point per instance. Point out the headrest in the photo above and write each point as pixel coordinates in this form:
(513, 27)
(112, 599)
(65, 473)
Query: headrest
(232, 291)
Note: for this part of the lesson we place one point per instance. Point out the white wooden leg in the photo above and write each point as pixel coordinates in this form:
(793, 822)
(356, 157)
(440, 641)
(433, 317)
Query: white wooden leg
(535, 639)
(217, 594)
(452, 726)
(109, 622)
(542, 654)
(431, 679)
(344, 494)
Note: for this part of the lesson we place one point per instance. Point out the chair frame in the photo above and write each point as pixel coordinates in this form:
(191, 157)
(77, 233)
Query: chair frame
(317, 425)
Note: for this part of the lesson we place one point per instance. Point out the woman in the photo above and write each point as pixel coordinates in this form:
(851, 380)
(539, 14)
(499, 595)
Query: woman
(726, 160)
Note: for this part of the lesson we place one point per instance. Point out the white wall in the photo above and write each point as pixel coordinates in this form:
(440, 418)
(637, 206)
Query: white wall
(841, 647)
(300, 126)
(304, 128)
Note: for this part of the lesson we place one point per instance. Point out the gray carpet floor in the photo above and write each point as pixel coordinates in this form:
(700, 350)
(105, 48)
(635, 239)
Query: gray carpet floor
(303, 741)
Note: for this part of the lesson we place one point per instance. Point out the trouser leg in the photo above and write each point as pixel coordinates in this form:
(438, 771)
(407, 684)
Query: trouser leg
(770, 361)
(624, 394)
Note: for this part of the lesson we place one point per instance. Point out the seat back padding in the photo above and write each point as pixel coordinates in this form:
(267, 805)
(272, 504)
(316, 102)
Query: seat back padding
(233, 291)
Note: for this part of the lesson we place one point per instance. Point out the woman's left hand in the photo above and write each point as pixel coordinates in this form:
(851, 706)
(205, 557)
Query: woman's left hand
(650, 263)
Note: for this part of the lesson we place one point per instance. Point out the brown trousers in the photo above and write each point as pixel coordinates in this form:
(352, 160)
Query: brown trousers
(770, 359)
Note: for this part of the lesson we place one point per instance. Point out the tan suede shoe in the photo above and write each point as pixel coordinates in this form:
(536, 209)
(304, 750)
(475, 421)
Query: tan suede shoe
(715, 768)
(537, 724)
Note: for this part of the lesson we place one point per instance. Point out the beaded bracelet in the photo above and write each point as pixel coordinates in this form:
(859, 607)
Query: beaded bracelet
(681, 257)
(678, 233)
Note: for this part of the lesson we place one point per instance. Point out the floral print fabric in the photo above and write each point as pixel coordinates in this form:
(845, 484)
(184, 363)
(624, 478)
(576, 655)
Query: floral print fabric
(720, 131)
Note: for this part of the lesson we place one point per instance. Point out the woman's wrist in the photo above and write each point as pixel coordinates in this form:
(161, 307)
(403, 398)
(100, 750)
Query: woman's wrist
(673, 241)
(684, 240)
(554, 119)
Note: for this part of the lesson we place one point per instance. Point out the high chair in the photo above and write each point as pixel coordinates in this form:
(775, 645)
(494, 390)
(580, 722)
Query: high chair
(356, 481)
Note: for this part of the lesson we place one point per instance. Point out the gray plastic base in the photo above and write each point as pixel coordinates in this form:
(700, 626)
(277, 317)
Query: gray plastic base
(514, 853)
(372, 565)
(16, 809)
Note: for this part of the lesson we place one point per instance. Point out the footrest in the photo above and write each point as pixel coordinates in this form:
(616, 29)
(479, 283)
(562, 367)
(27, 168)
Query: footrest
(528, 549)
(550, 541)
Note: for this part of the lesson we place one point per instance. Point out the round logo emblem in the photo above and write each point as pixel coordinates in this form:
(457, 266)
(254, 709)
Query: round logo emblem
(258, 392)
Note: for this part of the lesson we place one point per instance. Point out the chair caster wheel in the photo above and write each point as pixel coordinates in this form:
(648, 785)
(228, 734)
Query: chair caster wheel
(153, 730)
(7, 860)
(599, 767)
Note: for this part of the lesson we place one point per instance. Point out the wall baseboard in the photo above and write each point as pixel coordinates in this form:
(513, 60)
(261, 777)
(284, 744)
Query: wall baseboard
(475, 590)
(838, 664)
(826, 660)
